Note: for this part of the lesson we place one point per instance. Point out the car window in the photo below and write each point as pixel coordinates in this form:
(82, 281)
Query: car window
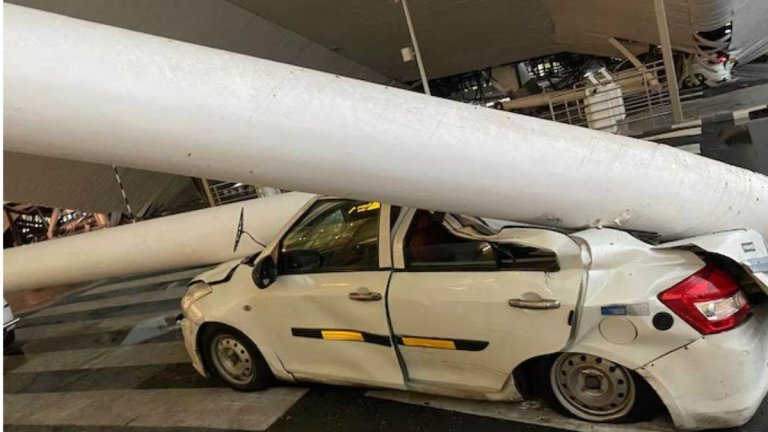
(333, 235)
(522, 258)
(431, 246)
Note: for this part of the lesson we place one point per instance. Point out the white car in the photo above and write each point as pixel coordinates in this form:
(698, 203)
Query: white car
(599, 322)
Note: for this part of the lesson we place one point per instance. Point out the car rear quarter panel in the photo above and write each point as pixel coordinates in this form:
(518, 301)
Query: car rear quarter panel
(625, 271)
(717, 382)
(743, 247)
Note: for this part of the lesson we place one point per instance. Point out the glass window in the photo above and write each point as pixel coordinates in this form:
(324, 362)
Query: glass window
(430, 246)
(522, 258)
(333, 235)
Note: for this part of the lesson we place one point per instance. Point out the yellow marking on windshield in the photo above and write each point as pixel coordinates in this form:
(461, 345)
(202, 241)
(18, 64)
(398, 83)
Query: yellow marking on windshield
(365, 207)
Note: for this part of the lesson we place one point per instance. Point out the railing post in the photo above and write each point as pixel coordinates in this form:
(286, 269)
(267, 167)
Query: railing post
(669, 60)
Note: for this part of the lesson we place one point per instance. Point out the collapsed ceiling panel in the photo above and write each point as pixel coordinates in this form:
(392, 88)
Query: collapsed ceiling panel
(585, 26)
(90, 187)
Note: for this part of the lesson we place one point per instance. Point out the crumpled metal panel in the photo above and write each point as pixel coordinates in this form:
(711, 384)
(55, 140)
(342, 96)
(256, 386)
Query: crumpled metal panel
(53, 182)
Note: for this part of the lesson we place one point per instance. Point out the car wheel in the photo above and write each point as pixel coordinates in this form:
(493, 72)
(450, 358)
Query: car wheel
(595, 389)
(237, 361)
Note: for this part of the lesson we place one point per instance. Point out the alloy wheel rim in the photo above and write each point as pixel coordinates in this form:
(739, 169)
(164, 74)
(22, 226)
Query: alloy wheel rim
(593, 388)
(232, 359)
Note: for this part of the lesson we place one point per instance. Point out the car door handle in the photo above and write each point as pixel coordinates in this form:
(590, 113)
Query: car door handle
(534, 304)
(365, 296)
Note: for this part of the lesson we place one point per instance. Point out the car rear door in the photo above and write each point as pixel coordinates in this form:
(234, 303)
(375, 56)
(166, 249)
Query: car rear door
(467, 308)
(327, 305)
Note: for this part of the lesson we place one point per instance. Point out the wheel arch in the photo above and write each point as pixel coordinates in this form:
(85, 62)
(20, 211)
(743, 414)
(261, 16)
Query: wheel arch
(267, 352)
(206, 330)
(529, 374)
(532, 378)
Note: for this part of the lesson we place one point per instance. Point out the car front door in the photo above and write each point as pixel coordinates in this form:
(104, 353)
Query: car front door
(467, 307)
(328, 302)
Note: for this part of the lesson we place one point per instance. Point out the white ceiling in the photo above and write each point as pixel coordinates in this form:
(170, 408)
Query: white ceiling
(91, 187)
(363, 38)
(457, 36)
(213, 23)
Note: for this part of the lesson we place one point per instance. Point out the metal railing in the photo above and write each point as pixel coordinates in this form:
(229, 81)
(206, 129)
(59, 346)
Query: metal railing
(612, 103)
(224, 192)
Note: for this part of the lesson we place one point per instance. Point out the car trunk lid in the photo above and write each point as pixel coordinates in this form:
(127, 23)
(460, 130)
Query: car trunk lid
(745, 247)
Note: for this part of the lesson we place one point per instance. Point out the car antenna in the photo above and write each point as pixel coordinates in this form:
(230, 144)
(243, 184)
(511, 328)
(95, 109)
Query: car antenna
(241, 230)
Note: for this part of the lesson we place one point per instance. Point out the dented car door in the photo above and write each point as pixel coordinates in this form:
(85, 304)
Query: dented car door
(467, 307)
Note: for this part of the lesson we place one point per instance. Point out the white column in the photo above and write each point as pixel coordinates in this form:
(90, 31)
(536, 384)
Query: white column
(189, 239)
(191, 110)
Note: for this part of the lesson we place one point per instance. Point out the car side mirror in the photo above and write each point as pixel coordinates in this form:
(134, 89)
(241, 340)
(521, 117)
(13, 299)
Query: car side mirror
(264, 272)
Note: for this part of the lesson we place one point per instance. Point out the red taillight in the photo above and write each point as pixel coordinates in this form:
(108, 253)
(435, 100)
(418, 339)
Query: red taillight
(710, 301)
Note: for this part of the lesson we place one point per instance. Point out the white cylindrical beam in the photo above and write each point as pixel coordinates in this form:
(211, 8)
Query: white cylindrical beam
(186, 240)
(75, 89)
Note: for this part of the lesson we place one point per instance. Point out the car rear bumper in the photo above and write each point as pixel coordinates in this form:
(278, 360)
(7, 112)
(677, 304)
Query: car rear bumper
(189, 331)
(718, 381)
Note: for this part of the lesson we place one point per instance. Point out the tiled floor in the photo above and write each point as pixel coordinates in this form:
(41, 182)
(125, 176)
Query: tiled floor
(110, 356)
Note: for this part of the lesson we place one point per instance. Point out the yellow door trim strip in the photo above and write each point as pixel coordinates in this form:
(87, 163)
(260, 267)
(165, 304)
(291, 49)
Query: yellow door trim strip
(385, 340)
(429, 343)
(342, 335)
(441, 343)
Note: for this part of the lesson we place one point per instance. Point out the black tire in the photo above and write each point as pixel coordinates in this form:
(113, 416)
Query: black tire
(256, 374)
(8, 338)
(643, 406)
